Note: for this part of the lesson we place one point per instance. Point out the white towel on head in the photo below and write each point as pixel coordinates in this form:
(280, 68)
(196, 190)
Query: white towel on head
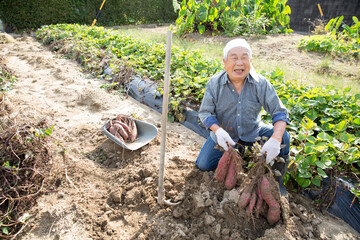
(238, 42)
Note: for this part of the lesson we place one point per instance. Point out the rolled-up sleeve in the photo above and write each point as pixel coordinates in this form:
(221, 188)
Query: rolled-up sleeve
(281, 116)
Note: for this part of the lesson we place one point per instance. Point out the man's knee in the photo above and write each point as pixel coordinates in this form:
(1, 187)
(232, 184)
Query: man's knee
(204, 165)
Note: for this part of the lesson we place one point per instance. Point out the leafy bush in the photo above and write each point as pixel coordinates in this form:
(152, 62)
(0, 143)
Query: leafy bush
(325, 123)
(253, 23)
(345, 43)
(263, 16)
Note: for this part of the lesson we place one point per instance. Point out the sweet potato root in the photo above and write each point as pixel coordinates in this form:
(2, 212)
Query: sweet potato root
(252, 202)
(245, 196)
(231, 176)
(222, 167)
(259, 203)
(228, 168)
(123, 127)
(260, 189)
(133, 133)
(274, 211)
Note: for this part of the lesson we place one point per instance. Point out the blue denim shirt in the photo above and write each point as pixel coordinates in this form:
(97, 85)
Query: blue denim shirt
(238, 114)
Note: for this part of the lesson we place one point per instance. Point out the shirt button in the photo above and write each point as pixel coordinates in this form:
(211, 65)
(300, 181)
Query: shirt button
(238, 114)
(239, 102)
(238, 126)
(233, 90)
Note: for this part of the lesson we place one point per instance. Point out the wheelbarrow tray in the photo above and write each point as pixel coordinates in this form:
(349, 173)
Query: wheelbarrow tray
(146, 133)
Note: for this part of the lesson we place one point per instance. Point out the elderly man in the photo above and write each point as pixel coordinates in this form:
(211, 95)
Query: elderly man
(231, 109)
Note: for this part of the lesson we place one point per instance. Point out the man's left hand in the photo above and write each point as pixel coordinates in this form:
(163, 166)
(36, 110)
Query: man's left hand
(272, 149)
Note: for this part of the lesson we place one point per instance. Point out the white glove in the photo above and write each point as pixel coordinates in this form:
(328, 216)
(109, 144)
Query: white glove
(223, 138)
(272, 149)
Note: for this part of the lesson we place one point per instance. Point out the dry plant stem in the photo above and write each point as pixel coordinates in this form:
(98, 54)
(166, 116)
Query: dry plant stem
(72, 184)
(21, 229)
(333, 196)
(29, 195)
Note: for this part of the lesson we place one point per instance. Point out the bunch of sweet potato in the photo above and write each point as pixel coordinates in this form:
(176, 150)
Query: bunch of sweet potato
(263, 190)
(123, 127)
(230, 164)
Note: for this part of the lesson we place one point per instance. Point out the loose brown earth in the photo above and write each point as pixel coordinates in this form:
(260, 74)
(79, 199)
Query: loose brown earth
(98, 190)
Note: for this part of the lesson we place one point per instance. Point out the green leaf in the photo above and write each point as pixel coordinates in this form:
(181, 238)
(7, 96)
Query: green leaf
(303, 182)
(309, 149)
(320, 164)
(301, 137)
(201, 28)
(321, 147)
(341, 126)
(324, 136)
(202, 13)
(328, 126)
(357, 121)
(346, 137)
(355, 19)
(321, 172)
(213, 14)
(311, 139)
(5, 230)
(316, 181)
(307, 123)
(312, 114)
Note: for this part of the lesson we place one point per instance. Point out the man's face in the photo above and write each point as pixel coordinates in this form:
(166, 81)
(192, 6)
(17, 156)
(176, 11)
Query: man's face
(238, 64)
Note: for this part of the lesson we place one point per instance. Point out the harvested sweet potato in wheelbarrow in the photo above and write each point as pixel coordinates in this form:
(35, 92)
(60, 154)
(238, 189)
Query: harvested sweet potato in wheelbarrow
(123, 127)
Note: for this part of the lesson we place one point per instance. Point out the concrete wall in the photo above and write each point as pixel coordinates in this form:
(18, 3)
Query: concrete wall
(305, 12)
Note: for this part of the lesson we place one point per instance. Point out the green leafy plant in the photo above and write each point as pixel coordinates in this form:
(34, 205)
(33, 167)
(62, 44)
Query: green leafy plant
(325, 130)
(263, 16)
(342, 43)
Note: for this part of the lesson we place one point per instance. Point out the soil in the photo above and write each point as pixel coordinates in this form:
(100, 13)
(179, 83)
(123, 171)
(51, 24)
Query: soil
(99, 190)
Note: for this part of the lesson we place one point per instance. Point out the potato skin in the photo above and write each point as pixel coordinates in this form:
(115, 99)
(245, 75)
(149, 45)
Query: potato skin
(252, 202)
(244, 198)
(231, 176)
(222, 167)
(273, 215)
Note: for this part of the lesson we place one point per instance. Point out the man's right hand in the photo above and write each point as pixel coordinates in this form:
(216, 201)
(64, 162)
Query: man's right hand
(223, 138)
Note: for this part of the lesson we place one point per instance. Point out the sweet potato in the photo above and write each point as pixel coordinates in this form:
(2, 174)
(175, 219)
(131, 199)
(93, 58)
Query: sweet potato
(117, 134)
(231, 175)
(133, 133)
(274, 211)
(121, 131)
(238, 160)
(126, 127)
(252, 202)
(245, 197)
(222, 167)
(259, 202)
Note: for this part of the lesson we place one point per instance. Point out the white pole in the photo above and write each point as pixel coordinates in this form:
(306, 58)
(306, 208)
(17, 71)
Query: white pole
(164, 118)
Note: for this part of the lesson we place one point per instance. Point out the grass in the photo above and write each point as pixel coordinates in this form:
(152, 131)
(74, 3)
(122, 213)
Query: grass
(321, 76)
